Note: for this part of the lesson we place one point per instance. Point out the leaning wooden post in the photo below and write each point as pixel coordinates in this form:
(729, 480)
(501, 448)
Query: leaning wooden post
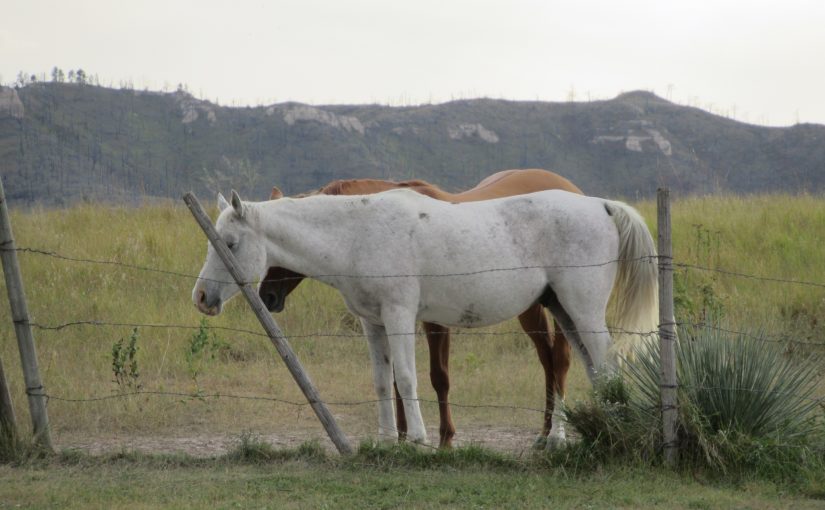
(8, 423)
(271, 327)
(22, 327)
(667, 331)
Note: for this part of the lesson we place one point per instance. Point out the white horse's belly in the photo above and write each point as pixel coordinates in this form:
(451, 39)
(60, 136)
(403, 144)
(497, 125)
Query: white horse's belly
(479, 302)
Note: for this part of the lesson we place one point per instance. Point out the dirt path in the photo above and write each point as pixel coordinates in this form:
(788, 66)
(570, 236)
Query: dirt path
(510, 440)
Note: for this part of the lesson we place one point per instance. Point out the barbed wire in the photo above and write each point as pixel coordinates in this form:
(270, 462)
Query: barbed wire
(462, 332)
(54, 254)
(775, 338)
(772, 338)
(203, 396)
(779, 339)
(818, 400)
(683, 265)
(749, 276)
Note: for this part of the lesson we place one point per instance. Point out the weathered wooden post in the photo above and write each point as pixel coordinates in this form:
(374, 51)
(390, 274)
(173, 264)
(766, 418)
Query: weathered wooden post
(8, 423)
(667, 331)
(271, 327)
(22, 327)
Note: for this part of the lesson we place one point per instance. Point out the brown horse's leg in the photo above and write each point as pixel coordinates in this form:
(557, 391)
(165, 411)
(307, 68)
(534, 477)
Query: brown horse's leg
(534, 322)
(400, 417)
(438, 338)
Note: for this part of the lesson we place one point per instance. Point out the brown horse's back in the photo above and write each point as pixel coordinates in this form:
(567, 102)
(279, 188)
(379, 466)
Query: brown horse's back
(516, 182)
(501, 184)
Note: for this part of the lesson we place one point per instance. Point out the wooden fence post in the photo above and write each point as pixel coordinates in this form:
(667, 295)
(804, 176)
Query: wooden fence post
(271, 327)
(22, 327)
(8, 423)
(667, 331)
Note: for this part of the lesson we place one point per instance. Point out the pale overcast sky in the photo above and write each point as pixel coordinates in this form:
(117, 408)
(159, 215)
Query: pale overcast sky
(760, 62)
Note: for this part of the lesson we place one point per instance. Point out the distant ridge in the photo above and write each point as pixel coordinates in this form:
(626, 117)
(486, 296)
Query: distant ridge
(62, 143)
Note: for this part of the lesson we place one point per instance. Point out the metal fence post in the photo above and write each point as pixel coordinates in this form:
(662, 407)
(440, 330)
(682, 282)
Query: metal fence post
(22, 327)
(667, 331)
(271, 327)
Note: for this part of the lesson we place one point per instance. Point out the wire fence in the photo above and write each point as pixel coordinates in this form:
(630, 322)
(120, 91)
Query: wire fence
(776, 338)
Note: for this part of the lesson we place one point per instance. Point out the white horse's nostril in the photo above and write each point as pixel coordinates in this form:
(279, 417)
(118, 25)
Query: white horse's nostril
(201, 297)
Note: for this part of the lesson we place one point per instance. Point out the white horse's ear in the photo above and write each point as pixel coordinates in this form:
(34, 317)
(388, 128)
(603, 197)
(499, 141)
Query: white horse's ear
(276, 193)
(222, 203)
(237, 204)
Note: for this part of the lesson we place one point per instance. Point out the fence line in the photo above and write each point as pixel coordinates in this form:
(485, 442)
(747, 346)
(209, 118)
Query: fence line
(204, 396)
(774, 338)
(770, 338)
(352, 403)
(353, 276)
(682, 265)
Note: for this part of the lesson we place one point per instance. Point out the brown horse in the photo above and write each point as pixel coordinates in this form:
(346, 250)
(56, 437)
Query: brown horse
(553, 349)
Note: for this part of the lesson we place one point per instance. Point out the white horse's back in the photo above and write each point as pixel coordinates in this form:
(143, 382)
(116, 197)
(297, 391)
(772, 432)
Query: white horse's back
(484, 262)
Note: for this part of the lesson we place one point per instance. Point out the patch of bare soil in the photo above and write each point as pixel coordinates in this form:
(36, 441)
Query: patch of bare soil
(504, 439)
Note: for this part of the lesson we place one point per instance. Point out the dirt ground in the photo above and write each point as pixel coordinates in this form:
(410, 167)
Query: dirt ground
(504, 439)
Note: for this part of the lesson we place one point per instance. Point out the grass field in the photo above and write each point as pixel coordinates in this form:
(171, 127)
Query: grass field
(775, 236)
(468, 479)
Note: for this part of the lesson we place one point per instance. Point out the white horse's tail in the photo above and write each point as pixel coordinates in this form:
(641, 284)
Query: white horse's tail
(636, 291)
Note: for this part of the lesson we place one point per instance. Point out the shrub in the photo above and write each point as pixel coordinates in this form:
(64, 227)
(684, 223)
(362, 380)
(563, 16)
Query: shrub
(743, 405)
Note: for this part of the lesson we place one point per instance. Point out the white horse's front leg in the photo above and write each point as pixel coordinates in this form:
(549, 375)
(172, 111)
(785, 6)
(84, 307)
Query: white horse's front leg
(400, 327)
(381, 358)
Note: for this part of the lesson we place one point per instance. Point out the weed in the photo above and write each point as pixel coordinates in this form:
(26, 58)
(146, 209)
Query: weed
(203, 347)
(124, 363)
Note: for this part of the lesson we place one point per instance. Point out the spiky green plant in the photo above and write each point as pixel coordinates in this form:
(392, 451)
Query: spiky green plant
(743, 403)
(738, 382)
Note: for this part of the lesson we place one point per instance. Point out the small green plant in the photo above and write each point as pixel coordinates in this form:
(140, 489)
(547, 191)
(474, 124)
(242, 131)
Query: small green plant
(203, 347)
(125, 364)
(697, 296)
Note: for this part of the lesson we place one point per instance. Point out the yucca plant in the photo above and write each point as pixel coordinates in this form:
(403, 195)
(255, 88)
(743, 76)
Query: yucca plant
(742, 401)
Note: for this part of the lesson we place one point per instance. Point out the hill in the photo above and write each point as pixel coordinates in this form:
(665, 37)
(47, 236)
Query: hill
(61, 143)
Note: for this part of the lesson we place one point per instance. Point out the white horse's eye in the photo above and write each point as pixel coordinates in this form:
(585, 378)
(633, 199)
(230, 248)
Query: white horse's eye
(232, 246)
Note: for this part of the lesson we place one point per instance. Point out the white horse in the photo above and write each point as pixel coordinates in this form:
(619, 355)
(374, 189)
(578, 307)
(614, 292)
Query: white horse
(386, 255)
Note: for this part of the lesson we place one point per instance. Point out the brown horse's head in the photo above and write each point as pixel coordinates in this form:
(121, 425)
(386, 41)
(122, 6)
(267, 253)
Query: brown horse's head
(276, 286)
(278, 282)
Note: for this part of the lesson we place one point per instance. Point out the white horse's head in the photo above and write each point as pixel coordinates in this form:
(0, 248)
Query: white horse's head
(215, 285)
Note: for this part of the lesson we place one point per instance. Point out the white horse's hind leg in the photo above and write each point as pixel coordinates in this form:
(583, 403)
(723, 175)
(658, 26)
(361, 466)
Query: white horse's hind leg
(400, 326)
(579, 307)
(381, 358)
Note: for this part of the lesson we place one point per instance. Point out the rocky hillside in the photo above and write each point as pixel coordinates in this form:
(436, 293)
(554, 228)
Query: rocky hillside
(60, 143)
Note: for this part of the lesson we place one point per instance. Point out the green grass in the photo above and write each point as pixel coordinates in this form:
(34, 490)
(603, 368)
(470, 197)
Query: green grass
(775, 236)
(376, 477)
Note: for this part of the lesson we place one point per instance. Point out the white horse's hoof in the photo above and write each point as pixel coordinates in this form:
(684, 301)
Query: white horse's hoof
(387, 438)
(555, 441)
(417, 440)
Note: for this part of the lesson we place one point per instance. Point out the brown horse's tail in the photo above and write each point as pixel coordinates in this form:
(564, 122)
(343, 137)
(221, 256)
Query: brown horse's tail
(635, 301)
